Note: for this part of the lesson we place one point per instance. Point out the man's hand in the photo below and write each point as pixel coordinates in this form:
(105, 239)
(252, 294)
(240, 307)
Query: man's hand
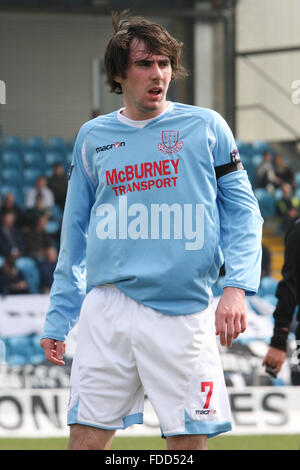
(231, 314)
(274, 358)
(54, 350)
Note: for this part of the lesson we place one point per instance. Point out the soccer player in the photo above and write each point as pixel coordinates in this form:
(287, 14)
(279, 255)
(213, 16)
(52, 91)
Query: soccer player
(288, 295)
(157, 199)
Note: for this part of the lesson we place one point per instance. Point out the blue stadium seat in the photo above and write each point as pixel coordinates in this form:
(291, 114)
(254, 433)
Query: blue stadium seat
(35, 144)
(244, 147)
(297, 178)
(68, 160)
(52, 227)
(56, 213)
(18, 350)
(14, 142)
(57, 144)
(70, 145)
(11, 159)
(260, 146)
(297, 193)
(37, 355)
(51, 158)
(277, 194)
(31, 273)
(30, 175)
(266, 201)
(268, 286)
(11, 176)
(257, 159)
(34, 159)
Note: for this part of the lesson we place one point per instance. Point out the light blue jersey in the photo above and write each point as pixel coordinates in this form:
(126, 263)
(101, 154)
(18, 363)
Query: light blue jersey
(149, 211)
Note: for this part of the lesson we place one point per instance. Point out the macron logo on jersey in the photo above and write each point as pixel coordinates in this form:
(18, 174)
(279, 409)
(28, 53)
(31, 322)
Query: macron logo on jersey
(116, 145)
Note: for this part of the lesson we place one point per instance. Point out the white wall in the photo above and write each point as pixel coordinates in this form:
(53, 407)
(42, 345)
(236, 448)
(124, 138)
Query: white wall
(265, 24)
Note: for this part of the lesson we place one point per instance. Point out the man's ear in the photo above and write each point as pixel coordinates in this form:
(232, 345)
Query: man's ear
(118, 79)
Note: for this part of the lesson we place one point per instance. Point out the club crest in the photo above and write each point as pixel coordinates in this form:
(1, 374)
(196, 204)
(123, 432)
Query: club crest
(170, 142)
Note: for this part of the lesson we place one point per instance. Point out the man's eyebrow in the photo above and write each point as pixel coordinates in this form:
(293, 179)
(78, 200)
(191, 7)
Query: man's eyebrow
(148, 60)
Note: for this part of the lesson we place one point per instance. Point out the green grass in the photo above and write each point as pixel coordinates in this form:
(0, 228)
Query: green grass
(267, 442)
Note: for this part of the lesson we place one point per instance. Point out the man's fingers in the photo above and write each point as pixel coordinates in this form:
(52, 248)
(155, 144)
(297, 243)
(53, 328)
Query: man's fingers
(54, 350)
(229, 327)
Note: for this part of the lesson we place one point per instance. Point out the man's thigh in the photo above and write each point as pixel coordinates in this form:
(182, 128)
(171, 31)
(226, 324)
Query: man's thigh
(88, 438)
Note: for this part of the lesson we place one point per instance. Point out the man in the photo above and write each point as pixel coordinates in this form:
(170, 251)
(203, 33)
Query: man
(11, 237)
(40, 190)
(265, 173)
(288, 294)
(288, 207)
(58, 183)
(155, 190)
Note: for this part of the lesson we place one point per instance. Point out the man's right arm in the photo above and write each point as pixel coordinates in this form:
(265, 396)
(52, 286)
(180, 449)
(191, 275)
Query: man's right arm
(69, 286)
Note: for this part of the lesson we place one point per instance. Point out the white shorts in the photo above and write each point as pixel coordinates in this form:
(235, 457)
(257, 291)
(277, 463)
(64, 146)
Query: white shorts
(126, 350)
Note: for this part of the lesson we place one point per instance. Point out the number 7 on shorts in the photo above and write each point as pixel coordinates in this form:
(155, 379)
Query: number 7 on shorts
(204, 386)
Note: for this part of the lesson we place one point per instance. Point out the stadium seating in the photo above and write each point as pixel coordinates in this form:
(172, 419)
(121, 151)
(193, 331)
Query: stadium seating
(56, 144)
(260, 146)
(14, 142)
(34, 159)
(30, 175)
(266, 201)
(11, 176)
(30, 271)
(14, 189)
(267, 287)
(11, 159)
(54, 157)
(35, 144)
(297, 178)
(23, 349)
(18, 350)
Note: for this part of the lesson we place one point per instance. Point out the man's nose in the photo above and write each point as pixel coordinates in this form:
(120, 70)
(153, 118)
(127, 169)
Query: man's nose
(156, 71)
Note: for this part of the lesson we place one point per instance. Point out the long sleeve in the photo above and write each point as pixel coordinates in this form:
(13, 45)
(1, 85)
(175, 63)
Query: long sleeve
(69, 286)
(240, 218)
(240, 231)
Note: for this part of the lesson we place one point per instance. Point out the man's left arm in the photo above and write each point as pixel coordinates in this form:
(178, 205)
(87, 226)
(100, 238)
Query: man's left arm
(240, 239)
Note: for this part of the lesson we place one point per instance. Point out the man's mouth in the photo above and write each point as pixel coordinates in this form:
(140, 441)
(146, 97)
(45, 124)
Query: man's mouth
(155, 91)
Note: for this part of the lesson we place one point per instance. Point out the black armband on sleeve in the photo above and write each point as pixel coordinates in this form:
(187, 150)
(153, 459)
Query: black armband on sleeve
(279, 339)
(228, 168)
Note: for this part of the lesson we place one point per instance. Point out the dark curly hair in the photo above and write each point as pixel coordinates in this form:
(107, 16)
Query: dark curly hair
(157, 41)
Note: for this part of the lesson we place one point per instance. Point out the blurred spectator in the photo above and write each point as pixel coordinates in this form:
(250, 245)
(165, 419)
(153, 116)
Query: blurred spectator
(288, 207)
(266, 177)
(9, 205)
(38, 239)
(42, 190)
(11, 237)
(47, 267)
(33, 213)
(12, 280)
(58, 184)
(283, 172)
(265, 261)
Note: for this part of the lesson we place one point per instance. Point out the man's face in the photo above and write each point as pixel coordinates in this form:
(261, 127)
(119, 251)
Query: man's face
(146, 83)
